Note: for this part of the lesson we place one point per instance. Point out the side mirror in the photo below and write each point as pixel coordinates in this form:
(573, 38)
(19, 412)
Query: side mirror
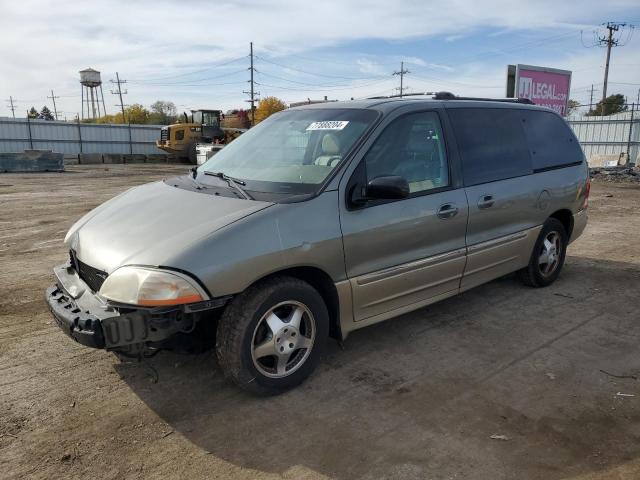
(387, 188)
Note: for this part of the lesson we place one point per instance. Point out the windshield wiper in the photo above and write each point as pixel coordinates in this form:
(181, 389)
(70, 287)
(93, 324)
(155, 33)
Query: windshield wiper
(233, 182)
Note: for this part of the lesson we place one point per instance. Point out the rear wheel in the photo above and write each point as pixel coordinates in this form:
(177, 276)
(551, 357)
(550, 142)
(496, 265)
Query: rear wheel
(271, 336)
(548, 255)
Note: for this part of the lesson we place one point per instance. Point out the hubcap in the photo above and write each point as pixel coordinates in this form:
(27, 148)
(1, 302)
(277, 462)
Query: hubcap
(283, 339)
(549, 258)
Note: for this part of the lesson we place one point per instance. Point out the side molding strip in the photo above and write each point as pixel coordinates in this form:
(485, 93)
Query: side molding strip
(407, 267)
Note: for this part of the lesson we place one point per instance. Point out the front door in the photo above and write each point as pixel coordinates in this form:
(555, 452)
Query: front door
(406, 253)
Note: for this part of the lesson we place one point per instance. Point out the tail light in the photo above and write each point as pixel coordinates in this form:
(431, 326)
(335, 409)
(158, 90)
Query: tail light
(587, 191)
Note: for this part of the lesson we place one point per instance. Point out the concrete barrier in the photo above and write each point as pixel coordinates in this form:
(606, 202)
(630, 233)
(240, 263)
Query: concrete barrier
(133, 158)
(112, 158)
(596, 161)
(71, 159)
(89, 158)
(157, 158)
(32, 161)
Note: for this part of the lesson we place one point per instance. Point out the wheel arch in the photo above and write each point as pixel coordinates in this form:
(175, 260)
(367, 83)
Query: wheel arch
(324, 285)
(565, 217)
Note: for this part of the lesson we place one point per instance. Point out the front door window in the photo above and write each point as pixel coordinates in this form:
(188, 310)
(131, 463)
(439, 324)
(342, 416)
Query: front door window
(411, 147)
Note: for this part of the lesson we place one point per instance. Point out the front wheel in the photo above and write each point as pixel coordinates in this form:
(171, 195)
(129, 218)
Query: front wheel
(271, 336)
(547, 257)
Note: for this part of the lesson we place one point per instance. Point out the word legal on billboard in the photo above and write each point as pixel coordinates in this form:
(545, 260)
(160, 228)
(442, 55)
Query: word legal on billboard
(548, 87)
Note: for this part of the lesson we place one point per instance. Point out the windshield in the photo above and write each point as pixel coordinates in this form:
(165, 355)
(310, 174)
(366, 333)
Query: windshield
(293, 151)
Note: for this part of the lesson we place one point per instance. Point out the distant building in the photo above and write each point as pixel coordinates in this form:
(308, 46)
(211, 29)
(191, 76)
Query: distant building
(308, 101)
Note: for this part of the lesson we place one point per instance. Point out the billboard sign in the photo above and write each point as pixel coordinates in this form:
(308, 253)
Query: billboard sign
(548, 87)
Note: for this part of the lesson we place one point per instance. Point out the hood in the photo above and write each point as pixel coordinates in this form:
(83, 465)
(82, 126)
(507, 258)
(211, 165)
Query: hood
(150, 224)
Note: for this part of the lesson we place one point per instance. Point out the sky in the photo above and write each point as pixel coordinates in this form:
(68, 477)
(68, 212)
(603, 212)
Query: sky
(196, 53)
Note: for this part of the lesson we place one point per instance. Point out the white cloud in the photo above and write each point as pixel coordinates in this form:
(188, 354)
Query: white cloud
(45, 43)
(371, 67)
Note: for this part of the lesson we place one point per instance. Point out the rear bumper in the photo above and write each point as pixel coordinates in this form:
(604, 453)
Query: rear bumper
(579, 224)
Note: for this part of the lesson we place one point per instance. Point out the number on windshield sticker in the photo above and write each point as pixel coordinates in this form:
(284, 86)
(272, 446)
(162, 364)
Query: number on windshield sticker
(328, 125)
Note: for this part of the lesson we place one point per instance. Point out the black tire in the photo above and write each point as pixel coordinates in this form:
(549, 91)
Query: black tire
(238, 326)
(192, 154)
(533, 274)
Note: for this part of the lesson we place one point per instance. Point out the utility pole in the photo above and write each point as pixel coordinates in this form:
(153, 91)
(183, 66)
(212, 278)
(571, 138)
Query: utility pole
(591, 98)
(12, 106)
(119, 92)
(402, 73)
(252, 93)
(55, 110)
(610, 42)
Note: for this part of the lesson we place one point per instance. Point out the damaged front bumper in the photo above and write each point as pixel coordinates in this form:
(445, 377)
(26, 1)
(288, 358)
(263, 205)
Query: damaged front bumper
(92, 322)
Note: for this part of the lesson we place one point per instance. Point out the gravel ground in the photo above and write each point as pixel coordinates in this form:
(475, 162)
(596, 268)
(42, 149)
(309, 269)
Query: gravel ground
(550, 374)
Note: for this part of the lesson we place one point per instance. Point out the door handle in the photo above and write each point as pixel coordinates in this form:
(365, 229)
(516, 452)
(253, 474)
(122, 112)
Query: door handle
(486, 201)
(448, 210)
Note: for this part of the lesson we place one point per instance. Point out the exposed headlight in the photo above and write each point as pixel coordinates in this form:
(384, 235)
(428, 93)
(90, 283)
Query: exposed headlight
(150, 287)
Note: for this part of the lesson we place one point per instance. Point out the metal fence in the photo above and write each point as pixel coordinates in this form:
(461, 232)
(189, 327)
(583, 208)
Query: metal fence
(613, 136)
(21, 134)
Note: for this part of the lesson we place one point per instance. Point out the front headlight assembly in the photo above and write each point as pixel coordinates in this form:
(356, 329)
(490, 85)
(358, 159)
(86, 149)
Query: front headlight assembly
(150, 287)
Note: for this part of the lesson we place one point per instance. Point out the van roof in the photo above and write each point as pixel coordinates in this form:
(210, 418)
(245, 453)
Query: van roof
(386, 104)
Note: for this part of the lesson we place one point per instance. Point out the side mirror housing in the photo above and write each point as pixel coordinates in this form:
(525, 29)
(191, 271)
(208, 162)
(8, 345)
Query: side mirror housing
(387, 188)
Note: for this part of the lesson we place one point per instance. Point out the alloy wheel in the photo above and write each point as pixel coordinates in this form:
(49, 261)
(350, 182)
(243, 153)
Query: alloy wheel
(551, 250)
(283, 339)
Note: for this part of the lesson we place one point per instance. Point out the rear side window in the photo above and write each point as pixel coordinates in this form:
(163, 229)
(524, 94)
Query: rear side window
(550, 139)
(492, 144)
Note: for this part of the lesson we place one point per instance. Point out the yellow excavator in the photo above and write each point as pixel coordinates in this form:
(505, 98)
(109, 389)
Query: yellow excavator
(204, 126)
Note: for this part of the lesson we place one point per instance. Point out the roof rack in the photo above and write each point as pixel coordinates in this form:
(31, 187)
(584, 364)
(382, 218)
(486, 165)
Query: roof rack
(451, 96)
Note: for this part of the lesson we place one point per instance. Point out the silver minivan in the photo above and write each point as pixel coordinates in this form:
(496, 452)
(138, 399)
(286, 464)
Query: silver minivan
(321, 220)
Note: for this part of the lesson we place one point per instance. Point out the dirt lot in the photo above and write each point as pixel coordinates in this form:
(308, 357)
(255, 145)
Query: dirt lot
(416, 397)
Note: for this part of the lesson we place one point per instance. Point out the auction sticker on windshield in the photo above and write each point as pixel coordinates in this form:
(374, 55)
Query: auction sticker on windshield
(328, 125)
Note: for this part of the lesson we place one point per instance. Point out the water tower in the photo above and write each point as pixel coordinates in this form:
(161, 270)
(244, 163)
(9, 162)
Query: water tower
(90, 82)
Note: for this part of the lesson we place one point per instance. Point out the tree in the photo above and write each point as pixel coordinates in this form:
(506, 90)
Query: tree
(572, 107)
(268, 106)
(137, 114)
(610, 105)
(45, 114)
(33, 113)
(162, 113)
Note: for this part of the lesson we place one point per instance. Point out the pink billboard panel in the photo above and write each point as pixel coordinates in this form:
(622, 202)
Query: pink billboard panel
(547, 87)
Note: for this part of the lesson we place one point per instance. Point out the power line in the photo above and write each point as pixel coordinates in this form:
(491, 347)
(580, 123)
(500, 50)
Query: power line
(325, 85)
(401, 73)
(216, 65)
(191, 81)
(349, 87)
(12, 106)
(252, 93)
(610, 40)
(55, 110)
(313, 73)
(591, 97)
(443, 81)
(119, 92)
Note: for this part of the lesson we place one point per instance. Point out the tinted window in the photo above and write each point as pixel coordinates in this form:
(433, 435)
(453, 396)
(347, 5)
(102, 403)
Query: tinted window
(411, 147)
(551, 141)
(180, 135)
(491, 142)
